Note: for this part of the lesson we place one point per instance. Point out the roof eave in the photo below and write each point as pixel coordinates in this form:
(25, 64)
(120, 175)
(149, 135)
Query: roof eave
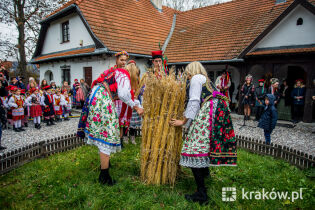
(235, 60)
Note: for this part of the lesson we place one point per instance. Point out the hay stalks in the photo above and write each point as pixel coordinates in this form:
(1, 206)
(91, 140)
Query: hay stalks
(163, 100)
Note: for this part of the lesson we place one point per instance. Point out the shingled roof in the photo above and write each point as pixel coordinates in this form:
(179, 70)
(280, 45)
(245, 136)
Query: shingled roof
(135, 26)
(218, 32)
(222, 31)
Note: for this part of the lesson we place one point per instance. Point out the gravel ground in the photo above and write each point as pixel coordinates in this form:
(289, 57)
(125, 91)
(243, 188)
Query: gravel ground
(15, 140)
(299, 137)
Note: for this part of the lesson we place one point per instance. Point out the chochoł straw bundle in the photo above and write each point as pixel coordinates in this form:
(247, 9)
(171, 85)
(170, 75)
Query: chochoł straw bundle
(164, 99)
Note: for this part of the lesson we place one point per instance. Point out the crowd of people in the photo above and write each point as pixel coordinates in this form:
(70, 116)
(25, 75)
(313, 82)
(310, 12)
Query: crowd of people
(20, 103)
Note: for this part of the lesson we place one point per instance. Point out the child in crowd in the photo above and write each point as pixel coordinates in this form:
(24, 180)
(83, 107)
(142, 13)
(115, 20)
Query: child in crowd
(6, 105)
(26, 110)
(59, 102)
(67, 104)
(47, 103)
(33, 102)
(16, 103)
(269, 117)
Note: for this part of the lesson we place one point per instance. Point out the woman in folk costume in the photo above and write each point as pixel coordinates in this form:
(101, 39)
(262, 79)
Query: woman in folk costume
(47, 103)
(135, 121)
(59, 102)
(67, 106)
(99, 121)
(33, 101)
(124, 112)
(248, 96)
(274, 90)
(75, 88)
(223, 83)
(16, 103)
(211, 139)
(80, 93)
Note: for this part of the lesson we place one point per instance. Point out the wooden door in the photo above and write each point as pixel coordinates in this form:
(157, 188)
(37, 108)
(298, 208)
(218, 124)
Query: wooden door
(88, 75)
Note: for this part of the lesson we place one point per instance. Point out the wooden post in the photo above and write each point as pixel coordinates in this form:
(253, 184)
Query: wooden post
(308, 107)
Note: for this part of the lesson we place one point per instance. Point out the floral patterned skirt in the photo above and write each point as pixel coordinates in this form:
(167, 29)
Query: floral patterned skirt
(102, 128)
(211, 139)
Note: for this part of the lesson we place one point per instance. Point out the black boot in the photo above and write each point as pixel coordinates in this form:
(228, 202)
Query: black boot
(38, 126)
(25, 125)
(201, 194)
(16, 129)
(52, 121)
(21, 129)
(35, 125)
(66, 119)
(48, 122)
(105, 178)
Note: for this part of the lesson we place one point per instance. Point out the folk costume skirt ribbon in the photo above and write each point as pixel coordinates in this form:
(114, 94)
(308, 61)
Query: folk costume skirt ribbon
(99, 121)
(211, 139)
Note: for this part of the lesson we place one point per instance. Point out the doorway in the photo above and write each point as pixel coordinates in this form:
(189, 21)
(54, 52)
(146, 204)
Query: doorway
(88, 75)
(294, 73)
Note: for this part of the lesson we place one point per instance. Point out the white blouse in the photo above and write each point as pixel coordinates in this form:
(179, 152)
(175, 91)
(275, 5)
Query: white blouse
(124, 88)
(195, 89)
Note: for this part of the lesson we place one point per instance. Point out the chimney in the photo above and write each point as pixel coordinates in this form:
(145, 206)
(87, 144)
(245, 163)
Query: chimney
(157, 4)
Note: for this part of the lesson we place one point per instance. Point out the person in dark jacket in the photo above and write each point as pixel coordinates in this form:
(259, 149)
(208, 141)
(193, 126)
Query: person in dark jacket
(260, 94)
(3, 85)
(3, 121)
(284, 107)
(248, 94)
(269, 117)
(15, 81)
(298, 95)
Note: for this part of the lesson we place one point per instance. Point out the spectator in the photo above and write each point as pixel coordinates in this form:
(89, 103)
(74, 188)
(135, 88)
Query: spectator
(66, 87)
(298, 95)
(260, 95)
(85, 87)
(76, 86)
(3, 121)
(248, 94)
(43, 84)
(274, 90)
(284, 108)
(3, 85)
(53, 85)
(32, 83)
(269, 118)
(16, 81)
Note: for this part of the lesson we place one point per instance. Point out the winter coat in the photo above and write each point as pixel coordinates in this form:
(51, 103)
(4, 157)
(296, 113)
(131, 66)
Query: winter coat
(269, 117)
(298, 91)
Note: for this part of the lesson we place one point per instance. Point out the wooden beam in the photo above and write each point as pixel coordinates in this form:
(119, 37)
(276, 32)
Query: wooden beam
(308, 107)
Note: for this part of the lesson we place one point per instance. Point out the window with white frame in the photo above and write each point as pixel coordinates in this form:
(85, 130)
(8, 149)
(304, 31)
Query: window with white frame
(65, 32)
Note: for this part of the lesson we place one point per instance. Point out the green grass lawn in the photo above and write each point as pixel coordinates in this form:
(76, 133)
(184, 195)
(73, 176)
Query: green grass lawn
(69, 180)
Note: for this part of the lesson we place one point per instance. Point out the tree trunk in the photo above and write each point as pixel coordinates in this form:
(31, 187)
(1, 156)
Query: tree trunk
(21, 40)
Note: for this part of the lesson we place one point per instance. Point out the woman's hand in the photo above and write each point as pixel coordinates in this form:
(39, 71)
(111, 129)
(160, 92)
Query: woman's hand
(139, 110)
(177, 123)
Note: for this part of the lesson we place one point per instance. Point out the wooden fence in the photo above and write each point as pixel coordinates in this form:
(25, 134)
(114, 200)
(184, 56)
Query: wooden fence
(294, 157)
(16, 158)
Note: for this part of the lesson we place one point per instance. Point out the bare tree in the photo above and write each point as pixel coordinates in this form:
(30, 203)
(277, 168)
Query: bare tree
(25, 15)
(183, 5)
